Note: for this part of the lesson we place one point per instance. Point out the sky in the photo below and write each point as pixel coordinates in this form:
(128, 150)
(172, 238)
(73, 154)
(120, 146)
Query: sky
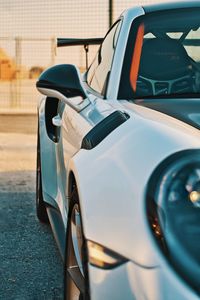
(54, 18)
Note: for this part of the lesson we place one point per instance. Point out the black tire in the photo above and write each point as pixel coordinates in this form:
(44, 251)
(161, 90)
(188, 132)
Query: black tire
(40, 205)
(76, 278)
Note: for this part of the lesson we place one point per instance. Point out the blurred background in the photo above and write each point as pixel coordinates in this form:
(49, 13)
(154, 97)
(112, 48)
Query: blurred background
(28, 32)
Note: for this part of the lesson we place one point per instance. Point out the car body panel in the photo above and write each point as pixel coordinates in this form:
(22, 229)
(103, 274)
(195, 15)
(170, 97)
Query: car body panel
(112, 154)
(55, 156)
(112, 177)
(133, 282)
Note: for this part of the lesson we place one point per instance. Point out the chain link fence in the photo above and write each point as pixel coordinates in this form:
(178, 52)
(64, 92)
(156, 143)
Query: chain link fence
(28, 31)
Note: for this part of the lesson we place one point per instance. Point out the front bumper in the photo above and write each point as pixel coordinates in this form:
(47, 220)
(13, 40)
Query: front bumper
(130, 281)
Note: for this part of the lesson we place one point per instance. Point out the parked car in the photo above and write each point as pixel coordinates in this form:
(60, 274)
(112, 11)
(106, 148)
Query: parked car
(118, 159)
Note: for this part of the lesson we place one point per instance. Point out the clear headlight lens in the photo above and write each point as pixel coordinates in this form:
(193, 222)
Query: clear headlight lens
(194, 196)
(102, 257)
(173, 208)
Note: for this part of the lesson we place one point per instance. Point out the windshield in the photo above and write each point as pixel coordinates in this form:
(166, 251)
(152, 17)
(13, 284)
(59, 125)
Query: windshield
(163, 56)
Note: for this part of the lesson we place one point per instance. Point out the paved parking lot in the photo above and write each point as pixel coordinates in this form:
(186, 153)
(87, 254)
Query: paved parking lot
(30, 265)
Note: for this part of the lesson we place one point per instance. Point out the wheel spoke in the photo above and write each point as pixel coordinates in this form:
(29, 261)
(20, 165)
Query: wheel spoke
(76, 234)
(74, 267)
(77, 277)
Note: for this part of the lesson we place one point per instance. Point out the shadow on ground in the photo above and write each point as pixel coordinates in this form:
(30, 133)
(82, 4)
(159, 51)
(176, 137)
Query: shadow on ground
(31, 267)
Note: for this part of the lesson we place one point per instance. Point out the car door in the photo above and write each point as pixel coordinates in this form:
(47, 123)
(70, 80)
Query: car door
(74, 124)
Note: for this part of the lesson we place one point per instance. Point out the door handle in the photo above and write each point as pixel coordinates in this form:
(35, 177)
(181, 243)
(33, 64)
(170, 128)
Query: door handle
(57, 121)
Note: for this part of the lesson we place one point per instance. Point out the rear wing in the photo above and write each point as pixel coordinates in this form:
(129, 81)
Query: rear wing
(66, 42)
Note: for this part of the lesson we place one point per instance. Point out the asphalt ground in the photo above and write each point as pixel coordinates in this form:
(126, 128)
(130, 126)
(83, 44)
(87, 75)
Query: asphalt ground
(30, 264)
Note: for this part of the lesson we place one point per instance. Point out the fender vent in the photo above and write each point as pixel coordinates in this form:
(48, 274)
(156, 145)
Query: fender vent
(103, 129)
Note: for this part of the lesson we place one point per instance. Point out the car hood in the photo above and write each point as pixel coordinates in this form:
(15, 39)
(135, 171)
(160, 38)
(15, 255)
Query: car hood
(186, 110)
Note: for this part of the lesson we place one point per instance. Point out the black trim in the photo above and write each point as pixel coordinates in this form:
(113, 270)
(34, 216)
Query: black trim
(181, 109)
(103, 129)
(65, 42)
(58, 228)
(51, 110)
(63, 78)
(191, 42)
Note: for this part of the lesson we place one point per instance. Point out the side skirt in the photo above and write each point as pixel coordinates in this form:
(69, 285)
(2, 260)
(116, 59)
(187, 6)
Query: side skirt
(58, 228)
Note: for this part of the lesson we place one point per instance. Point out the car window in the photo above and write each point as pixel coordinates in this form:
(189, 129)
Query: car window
(98, 74)
(162, 57)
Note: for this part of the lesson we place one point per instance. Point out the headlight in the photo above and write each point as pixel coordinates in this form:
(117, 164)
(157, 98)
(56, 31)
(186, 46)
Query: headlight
(102, 257)
(173, 208)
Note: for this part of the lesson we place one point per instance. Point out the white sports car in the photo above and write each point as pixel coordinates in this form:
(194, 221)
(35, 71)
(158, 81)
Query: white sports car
(118, 168)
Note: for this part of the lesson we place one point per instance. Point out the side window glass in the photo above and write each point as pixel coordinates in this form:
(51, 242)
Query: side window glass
(99, 71)
(91, 70)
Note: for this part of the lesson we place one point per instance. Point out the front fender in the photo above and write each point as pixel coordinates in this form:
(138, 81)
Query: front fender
(112, 180)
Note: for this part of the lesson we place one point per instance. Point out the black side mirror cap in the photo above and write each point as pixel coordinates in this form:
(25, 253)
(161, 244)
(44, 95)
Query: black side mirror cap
(64, 79)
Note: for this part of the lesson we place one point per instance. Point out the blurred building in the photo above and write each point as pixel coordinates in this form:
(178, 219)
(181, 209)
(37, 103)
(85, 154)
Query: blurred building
(7, 66)
(35, 72)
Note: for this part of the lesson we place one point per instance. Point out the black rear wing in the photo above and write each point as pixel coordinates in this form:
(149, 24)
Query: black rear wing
(66, 42)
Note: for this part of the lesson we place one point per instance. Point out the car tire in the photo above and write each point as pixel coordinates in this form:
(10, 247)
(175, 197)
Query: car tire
(75, 266)
(40, 205)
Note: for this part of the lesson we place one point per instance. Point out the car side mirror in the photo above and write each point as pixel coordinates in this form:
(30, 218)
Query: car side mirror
(63, 82)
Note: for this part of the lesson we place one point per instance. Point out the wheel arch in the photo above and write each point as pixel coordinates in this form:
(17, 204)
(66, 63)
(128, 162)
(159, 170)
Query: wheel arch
(73, 182)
